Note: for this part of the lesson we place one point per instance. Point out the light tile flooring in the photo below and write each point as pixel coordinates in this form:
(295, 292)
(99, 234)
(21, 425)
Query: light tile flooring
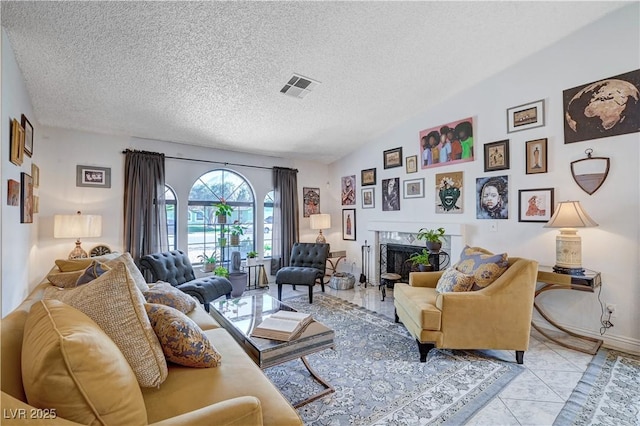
(535, 397)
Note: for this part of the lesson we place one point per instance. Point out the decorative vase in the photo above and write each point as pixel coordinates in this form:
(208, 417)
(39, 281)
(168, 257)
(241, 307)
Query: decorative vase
(234, 240)
(238, 283)
(235, 261)
(434, 247)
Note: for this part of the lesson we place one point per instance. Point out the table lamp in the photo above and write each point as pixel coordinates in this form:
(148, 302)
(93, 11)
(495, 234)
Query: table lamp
(77, 226)
(568, 216)
(320, 222)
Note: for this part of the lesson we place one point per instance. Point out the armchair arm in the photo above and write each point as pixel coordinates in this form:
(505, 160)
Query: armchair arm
(241, 411)
(424, 279)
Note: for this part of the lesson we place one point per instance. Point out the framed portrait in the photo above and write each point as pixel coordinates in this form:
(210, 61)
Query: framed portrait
(28, 135)
(608, 107)
(349, 224)
(535, 205)
(35, 175)
(349, 190)
(13, 193)
(496, 156)
(447, 144)
(492, 197)
(92, 176)
(390, 194)
(449, 195)
(17, 143)
(392, 158)
(412, 164)
(368, 198)
(536, 156)
(26, 198)
(311, 201)
(36, 204)
(368, 177)
(413, 188)
(524, 117)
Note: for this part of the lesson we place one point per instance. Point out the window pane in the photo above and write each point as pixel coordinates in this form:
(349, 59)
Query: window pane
(170, 206)
(268, 224)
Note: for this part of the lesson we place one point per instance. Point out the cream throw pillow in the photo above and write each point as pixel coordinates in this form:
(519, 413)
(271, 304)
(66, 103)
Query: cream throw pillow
(73, 265)
(135, 273)
(69, 364)
(117, 306)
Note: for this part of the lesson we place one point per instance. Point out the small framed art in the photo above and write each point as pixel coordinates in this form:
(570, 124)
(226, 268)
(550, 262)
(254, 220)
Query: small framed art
(368, 198)
(17, 143)
(496, 156)
(348, 190)
(393, 158)
(536, 157)
(311, 201)
(413, 188)
(13, 193)
(524, 117)
(535, 205)
(349, 224)
(35, 174)
(26, 198)
(28, 135)
(92, 176)
(412, 164)
(368, 177)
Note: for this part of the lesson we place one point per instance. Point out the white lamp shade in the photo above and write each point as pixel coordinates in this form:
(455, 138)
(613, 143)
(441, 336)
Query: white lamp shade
(570, 214)
(77, 226)
(320, 221)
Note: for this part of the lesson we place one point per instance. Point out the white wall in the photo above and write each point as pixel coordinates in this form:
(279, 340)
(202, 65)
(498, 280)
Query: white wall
(606, 48)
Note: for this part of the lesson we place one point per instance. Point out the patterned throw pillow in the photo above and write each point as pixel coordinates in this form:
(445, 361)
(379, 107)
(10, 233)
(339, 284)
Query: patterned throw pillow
(453, 280)
(164, 293)
(117, 306)
(485, 266)
(183, 342)
(92, 272)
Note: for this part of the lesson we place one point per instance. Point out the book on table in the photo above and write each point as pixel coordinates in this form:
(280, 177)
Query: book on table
(282, 325)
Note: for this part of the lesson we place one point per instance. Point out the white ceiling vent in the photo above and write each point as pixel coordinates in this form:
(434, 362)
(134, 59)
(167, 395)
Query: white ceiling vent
(299, 86)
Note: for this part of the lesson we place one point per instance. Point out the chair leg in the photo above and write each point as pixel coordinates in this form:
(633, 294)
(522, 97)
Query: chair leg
(520, 357)
(424, 349)
(294, 287)
(395, 314)
(322, 285)
(279, 291)
(206, 307)
(310, 294)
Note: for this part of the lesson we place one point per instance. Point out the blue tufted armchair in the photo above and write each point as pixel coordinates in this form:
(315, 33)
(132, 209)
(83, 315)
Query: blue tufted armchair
(306, 267)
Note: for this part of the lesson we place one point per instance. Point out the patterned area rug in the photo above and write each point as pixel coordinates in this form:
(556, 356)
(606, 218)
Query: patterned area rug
(607, 394)
(378, 377)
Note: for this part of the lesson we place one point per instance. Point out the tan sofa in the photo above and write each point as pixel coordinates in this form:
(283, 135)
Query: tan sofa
(496, 317)
(234, 393)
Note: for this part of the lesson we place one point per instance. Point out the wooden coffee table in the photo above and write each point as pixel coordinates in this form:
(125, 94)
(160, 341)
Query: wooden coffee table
(239, 316)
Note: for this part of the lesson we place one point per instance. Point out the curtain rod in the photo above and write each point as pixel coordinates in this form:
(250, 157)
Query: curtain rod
(214, 162)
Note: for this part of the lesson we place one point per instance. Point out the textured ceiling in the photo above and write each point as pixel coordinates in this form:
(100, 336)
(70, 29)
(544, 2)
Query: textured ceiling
(209, 73)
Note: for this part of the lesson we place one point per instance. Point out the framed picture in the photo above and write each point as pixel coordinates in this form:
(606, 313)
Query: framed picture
(535, 205)
(447, 144)
(524, 117)
(349, 224)
(449, 192)
(536, 158)
(349, 190)
(368, 198)
(35, 174)
(368, 177)
(36, 204)
(413, 188)
(92, 176)
(13, 193)
(412, 164)
(390, 194)
(393, 158)
(492, 197)
(311, 201)
(26, 198)
(28, 135)
(496, 156)
(17, 143)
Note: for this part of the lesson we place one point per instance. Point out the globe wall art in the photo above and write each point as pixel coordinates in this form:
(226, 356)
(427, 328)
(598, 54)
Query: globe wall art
(608, 107)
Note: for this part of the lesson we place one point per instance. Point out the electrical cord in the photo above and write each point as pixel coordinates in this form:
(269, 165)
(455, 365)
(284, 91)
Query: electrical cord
(605, 322)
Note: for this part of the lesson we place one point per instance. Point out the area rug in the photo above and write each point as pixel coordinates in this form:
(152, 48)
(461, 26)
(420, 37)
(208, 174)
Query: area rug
(377, 375)
(607, 394)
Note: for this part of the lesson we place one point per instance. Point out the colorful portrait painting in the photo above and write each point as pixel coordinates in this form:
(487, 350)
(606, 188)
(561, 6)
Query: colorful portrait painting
(604, 108)
(349, 190)
(449, 192)
(13, 193)
(311, 200)
(492, 197)
(447, 144)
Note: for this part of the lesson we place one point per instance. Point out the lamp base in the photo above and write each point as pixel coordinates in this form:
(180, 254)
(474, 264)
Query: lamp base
(568, 271)
(78, 252)
(320, 239)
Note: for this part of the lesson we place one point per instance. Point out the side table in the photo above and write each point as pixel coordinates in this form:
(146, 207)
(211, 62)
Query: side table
(338, 255)
(553, 281)
(258, 269)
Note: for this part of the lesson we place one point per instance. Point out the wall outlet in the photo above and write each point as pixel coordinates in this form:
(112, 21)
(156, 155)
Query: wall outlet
(493, 226)
(611, 309)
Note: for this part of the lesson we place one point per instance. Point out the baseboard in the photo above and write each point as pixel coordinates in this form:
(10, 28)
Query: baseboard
(620, 343)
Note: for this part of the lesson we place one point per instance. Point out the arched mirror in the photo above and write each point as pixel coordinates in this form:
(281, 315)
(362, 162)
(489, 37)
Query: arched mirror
(591, 172)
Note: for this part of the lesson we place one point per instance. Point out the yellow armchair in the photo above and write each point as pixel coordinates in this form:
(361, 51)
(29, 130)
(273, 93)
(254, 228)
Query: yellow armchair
(495, 317)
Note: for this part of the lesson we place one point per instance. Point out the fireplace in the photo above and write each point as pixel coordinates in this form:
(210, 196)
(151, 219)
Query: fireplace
(394, 258)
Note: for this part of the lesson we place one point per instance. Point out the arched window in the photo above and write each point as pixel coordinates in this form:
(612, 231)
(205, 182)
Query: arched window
(171, 206)
(205, 235)
(268, 224)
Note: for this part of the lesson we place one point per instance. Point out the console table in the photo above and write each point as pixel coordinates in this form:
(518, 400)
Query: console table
(553, 281)
(338, 256)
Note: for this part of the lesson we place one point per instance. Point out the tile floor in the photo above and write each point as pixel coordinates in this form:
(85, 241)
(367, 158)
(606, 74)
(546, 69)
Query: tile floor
(535, 397)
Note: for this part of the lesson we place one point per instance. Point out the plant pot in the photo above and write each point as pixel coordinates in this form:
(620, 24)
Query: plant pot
(434, 247)
(234, 240)
(222, 218)
(222, 241)
(252, 261)
(209, 267)
(238, 283)
(424, 268)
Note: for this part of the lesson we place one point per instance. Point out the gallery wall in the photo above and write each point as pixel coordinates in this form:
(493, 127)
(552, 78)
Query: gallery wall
(611, 248)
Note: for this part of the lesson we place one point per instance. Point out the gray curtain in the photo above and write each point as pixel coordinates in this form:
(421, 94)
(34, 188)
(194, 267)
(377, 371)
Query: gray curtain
(285, 216)
(145, 216)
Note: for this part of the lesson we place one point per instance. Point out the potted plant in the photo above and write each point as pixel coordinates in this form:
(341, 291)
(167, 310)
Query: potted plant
(221, 271)
(251, 258)
(421, 260)
(433, 238)
(222, 240)
(222, 211)
(236, 231)
(209, 262)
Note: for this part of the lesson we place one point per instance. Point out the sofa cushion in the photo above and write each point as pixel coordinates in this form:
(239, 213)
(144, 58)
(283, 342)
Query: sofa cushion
(485, 266)
(69, 364)
(298, 275)
(92, 272)
(183, 342)
(117, 306)
(454, 280)
(135, 273)
(420, 304)
(164, 293)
